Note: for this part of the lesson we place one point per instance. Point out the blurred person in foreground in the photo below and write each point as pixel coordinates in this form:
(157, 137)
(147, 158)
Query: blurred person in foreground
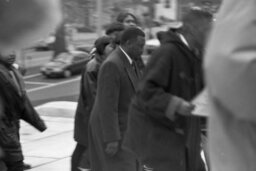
(117, 83)
(23, 31)
(230, 72)
(129, 20)
(15, 105)
(88, 87)
(161, 129)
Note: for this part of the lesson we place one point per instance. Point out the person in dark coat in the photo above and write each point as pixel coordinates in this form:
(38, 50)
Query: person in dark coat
(15, 105)
(117, 83)
(86, 99)
(161, 130)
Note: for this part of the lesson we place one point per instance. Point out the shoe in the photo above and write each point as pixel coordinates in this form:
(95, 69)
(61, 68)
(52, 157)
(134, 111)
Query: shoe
(26, 166)
(83, 169)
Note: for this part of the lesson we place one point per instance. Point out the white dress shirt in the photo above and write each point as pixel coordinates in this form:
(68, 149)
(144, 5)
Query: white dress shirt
(127, 56)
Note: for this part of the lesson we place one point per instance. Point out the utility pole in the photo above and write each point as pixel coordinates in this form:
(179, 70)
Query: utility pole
(99, 17)
(175, 8)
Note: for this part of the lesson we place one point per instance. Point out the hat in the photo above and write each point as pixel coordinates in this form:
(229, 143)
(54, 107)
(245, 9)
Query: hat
(115, 26)
(101, 43)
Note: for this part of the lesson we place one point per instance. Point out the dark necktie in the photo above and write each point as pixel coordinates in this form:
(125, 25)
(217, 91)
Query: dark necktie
(135, 69)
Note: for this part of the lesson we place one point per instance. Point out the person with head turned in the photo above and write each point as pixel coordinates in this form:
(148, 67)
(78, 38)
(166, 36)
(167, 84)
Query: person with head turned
(129, 20)
(117, 83)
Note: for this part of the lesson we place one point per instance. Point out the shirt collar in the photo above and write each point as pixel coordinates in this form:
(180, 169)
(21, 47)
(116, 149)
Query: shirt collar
(127, 56)
(183, 39)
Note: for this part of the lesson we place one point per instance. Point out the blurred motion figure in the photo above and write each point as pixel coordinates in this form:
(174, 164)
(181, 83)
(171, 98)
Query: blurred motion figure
(161, 129)
(15, 105)
(231, 79)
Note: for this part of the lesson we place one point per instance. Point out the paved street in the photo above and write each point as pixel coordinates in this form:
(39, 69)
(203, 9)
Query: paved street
(50, 150)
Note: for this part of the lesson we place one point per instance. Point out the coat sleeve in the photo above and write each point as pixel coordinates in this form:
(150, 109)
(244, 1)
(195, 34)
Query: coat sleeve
(88, 87)
(230, 61)
(107, 98)
(31, 116)
(90, 83)
(153, 90)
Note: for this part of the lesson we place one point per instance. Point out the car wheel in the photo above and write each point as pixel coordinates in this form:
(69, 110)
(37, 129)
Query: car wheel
(67, 73)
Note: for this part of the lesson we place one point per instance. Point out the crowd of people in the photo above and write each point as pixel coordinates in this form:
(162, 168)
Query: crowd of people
(136, 117)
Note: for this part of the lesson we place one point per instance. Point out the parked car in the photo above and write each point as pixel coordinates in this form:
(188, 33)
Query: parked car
(66, 64)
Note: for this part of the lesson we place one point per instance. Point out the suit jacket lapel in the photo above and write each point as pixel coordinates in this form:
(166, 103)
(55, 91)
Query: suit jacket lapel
(128, 67)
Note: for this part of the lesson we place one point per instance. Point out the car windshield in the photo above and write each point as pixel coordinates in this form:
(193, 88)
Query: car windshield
(64, 57)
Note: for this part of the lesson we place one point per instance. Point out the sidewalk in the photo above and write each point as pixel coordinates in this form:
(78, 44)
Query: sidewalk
(50, 150)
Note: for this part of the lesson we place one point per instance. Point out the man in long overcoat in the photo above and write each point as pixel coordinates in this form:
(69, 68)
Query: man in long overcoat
(117, 83)
(161, 130)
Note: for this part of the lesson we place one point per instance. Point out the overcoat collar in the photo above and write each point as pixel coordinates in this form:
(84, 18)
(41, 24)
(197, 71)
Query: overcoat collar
(129, 69)
(10, 82)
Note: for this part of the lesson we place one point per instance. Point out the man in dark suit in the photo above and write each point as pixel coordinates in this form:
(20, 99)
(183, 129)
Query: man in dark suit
(161, 129)
(117, 83)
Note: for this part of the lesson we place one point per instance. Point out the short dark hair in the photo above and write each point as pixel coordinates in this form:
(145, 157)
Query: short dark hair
(131, 34)
(115, 26)
(101, 43)
(120, 18)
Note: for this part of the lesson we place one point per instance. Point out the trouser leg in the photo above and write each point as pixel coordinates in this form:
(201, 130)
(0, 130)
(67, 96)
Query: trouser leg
(14, 165)
(76, 157)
